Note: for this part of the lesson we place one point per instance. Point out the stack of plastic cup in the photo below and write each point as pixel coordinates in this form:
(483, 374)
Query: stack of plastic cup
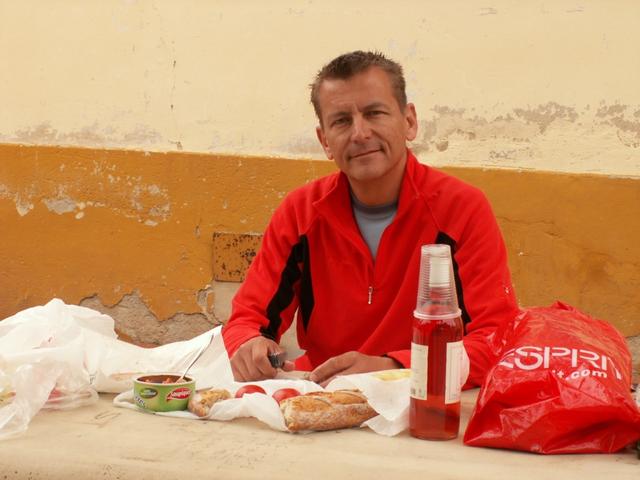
(437, 297)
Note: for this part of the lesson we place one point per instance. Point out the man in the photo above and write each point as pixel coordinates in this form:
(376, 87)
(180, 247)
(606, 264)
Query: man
(343, 252)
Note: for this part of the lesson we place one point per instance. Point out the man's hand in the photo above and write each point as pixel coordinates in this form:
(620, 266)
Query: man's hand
(251, 362)
(350, 362)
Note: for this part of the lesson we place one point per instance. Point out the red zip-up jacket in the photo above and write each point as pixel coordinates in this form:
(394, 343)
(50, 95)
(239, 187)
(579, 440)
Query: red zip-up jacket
(314, 261)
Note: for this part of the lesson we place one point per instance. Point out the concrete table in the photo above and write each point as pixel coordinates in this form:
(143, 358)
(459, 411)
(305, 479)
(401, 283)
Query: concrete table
(105, 442)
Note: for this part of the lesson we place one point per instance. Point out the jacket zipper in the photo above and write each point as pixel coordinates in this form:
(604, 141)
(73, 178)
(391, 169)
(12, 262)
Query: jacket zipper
(370, 294)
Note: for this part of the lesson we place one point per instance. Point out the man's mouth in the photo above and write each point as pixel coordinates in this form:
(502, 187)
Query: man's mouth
(362, 154)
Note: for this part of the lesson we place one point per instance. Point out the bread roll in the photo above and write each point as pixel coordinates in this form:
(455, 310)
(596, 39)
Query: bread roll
(326, 410)
(201, 402)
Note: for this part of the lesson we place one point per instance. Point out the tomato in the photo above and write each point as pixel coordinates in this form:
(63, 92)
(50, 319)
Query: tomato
(55, 393)
(284, 393)
(249, 389)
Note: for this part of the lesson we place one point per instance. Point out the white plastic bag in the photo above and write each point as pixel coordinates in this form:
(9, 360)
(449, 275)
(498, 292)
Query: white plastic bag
(54, 336)
(58, 356)
(42, 362)
(120, 362)
(25, 390)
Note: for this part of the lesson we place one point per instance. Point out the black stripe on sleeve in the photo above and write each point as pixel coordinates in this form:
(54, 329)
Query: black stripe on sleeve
(446, 239)
(297, 268)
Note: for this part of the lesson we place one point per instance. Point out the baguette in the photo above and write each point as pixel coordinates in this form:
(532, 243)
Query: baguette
(326, 410)
(201, 402)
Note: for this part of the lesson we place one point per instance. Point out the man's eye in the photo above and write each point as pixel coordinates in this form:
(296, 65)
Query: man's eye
(340, 121)
(375, 113)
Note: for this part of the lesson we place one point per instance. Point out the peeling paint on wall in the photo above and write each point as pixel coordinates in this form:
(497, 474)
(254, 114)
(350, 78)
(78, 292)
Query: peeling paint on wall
(567, 138)
(23, 205)
(620, 117)
(66, 193)
(524, 124)
(94, 135)
(150, 201)
(60, 205)
(544, 115)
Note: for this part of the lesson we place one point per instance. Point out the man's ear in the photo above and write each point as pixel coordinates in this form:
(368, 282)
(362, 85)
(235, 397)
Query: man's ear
(323, 141)
(411, 118)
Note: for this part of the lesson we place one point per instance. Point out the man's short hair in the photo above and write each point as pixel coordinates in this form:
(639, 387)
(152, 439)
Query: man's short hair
(349, 64)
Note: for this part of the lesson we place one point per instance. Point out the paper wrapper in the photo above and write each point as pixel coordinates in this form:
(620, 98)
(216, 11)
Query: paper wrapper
(388, 394)
(257, 405)
(386, 391)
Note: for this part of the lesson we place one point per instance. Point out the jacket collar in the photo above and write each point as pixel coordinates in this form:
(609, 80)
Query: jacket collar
(332, 205)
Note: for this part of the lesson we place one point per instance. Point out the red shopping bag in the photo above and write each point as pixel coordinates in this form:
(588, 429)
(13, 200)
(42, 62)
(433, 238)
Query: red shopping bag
(561, 385)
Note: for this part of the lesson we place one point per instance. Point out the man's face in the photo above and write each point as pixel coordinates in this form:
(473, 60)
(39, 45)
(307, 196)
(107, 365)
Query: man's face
(363, 128)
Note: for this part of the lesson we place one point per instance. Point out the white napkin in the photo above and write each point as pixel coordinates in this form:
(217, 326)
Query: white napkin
(387, 392)
(258, 405)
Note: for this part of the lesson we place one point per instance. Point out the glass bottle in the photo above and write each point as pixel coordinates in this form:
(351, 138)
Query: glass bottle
(436, 349)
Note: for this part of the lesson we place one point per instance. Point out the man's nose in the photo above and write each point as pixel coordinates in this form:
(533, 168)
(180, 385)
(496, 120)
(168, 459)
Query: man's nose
(360, 129)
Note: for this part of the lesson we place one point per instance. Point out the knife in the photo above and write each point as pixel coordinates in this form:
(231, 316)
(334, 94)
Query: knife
(277, 359)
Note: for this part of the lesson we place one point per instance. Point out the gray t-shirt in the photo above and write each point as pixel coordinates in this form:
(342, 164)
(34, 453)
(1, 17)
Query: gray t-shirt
(372, 221)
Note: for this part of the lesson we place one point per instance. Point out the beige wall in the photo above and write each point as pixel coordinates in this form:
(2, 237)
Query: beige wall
(538, 101)
(506, 84)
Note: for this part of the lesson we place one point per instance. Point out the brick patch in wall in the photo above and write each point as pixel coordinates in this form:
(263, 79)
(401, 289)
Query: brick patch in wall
(232, 255)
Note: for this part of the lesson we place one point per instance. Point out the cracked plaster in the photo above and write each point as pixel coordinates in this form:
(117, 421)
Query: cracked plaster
(135, 322)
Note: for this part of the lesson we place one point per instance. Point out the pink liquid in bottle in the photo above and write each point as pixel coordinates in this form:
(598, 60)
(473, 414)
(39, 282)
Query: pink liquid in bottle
(436, 417)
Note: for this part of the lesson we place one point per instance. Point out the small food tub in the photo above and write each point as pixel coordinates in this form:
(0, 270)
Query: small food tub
(161, 392)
